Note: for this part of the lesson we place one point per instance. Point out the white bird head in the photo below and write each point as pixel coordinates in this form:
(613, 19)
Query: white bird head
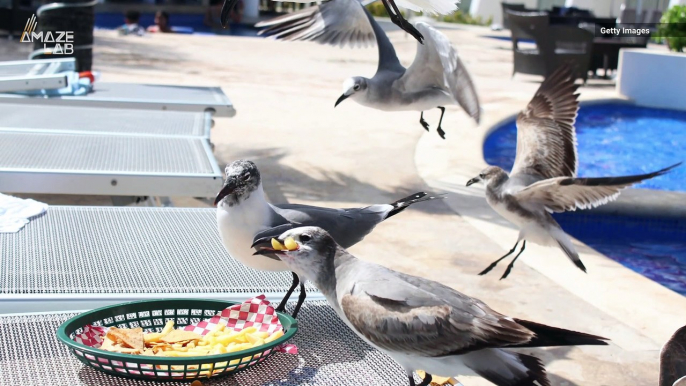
(353, 87)
(307, 251)
(242, 178)
(489, 175)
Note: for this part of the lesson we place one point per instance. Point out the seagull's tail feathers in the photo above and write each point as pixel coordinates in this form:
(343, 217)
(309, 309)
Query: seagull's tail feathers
(567, 247)
(546, 336)
(505, 368)
(404, 203)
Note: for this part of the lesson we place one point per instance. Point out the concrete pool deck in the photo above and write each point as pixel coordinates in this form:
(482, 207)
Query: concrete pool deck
(309, 152)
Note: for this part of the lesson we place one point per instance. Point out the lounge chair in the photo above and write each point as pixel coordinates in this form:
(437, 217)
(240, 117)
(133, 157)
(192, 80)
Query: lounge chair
(518, 7)
(133, 96)
(76, 257)
(555, 45)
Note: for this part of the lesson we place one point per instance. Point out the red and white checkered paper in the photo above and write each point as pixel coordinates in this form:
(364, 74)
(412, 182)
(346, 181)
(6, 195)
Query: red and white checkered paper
(256, 312)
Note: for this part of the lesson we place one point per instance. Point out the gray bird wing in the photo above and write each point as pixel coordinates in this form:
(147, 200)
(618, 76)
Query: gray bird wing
(437, 65)
(335, 22)
(546, 139)
(346, 226)
(673, 358)
(409, 314)
(563, 193)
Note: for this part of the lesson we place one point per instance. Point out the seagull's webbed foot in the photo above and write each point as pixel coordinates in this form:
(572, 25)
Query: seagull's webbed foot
(509, 266)
(493, 264)
(424, 123)
(398, 19)
(284, 301)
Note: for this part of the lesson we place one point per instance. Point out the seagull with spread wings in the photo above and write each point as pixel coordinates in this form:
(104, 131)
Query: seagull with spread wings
(421, 324)
(543, 179)
(436, 78)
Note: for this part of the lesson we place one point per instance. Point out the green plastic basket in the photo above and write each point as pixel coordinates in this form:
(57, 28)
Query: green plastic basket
(152, 315)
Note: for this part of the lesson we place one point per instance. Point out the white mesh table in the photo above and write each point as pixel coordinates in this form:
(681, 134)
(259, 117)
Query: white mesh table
(74, 258)
(139, 96)
(329, 354)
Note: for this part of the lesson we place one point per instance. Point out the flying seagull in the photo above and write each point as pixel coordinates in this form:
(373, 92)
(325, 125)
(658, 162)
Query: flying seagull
(443, 7)
(673, 360)
(435, 78)
(543, 178)
(420, 323)
(243, 212)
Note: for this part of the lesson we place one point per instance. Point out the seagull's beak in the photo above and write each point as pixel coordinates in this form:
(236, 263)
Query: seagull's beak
(473, 181)
(227, 189)
(226, 10)
(341, 99)
(271, 245)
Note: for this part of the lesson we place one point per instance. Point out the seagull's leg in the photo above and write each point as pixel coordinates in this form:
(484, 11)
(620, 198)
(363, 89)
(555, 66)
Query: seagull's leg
(426, 381)
(509, 266)
(493, 264)
(301, 300)
(440, 130)
(424, 123)
(398, 19)
(282, 305)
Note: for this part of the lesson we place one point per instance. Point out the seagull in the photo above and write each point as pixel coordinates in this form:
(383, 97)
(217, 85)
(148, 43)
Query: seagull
(243, 212)
(436, 78)
(443, 7)
(673, 360)
(419, 323)
(543, 178)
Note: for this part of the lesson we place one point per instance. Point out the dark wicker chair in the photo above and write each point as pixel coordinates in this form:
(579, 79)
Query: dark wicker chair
(510, 7)
(555, 45)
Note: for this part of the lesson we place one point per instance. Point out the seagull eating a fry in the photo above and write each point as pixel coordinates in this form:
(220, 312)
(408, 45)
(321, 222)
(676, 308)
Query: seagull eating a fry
(243, 212)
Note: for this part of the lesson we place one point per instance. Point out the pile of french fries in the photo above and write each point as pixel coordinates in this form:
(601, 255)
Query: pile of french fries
(179, 343)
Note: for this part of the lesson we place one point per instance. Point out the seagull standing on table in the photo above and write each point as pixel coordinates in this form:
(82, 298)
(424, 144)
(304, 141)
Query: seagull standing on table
(435, 79)
(443, 7)
(420, 323)
(243, 212)
(543, 178)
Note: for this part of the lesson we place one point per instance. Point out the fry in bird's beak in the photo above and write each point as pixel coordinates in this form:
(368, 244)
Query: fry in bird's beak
(266, 245)
(473, 181)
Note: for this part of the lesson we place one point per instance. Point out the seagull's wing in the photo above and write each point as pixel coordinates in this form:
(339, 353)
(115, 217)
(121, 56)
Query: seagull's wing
(404, 313)
(335, 22)
(565, 193)
(346, 226)
(673, 359)
(437, 64)
(546, 140)
(443, 7)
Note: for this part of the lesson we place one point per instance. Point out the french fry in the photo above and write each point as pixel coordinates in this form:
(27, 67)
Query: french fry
(168, 328)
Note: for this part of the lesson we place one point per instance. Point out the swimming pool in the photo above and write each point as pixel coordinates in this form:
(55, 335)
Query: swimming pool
(614, 139)
(618, 139)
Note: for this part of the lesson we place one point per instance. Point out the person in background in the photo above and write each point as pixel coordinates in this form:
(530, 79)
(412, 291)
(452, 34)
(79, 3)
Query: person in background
(161, 23)
(213, 16)
(131, 26)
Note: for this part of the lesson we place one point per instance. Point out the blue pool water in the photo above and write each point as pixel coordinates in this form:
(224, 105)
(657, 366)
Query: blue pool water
(181, 23)
(619, 139)
(615, 139)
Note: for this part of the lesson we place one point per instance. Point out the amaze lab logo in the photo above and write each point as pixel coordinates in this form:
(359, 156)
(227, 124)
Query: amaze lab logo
(63, 40)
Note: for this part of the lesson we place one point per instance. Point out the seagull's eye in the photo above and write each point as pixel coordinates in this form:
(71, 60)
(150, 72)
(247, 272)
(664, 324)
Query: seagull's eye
(245, 176)
(305, 238)
(482, 175)
(356, 87)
